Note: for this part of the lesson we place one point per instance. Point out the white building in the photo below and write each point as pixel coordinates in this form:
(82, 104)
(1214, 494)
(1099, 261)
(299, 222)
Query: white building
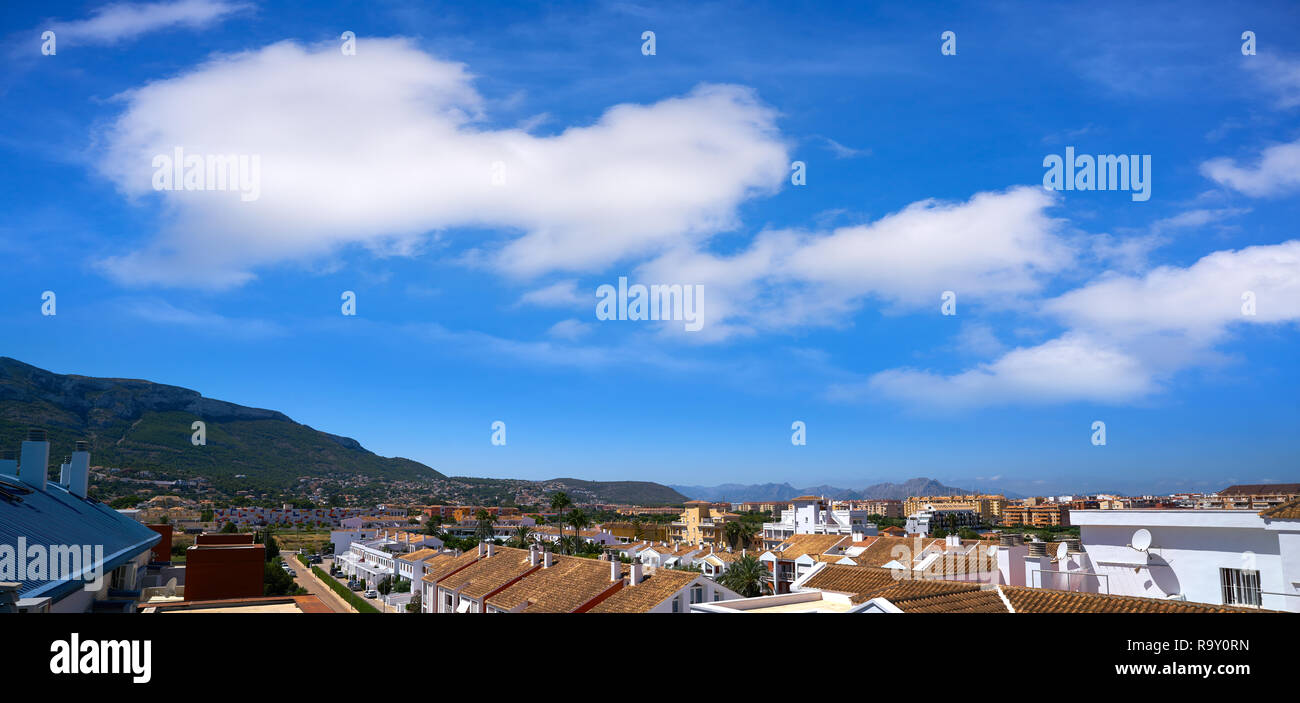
(1222, 557)
(813, 515)
(923, 521)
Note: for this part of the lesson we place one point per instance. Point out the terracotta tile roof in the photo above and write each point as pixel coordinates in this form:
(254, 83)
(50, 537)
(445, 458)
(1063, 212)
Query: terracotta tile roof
(857, 580)
(570, 583)
(803, 498)
(1285, 511)
(644, 596)
(929, 596)
(489, 573)
(418, 555)
(1041, 600)
(1261, 489)
(799, 545)
(443, 565)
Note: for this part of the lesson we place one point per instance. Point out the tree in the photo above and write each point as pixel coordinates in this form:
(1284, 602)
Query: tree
(483, 531)
(523, 535)
(579, 520)
(638, 529)
(229, 527)
(414, 605)
(385, 586)
(747, 576)
(738, 534)
(559, 502)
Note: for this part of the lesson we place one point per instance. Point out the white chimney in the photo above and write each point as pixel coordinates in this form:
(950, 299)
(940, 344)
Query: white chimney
(491, 548)
(532, 555)
(35, 461)
(77, 474)
(546, 559)
(480, 550)
(615, 570)
(8, 462)
(635, 576)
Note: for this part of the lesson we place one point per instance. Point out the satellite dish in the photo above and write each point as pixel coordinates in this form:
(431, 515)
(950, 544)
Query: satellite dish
(1062, 551)
(1141, 540)
(991, 550)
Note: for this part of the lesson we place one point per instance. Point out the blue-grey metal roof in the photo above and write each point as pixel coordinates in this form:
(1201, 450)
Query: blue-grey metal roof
(57, 517)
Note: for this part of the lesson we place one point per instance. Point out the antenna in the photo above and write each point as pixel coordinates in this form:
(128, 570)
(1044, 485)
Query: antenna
(1141, 540)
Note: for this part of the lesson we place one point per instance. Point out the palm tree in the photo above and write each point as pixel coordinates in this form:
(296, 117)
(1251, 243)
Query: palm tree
(747, 576)
(523, 535)
(483, 531)
(738, 533)
(638, 530)
(560, 501)
(578, 519)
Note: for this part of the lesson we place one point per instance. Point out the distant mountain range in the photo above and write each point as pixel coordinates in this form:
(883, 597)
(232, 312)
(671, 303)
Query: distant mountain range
(143, 425)
(739, 492)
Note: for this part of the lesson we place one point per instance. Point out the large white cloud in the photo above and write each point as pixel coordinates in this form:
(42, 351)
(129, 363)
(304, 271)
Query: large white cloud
(992, 248)
(1126, 335)
(387, 145)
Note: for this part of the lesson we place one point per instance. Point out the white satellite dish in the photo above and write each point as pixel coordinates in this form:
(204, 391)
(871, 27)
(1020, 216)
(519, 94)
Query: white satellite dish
(1141, 540)
(1062, 551)
(991, 550)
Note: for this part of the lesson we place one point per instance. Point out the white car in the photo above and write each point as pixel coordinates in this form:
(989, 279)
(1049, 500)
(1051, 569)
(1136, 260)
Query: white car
(371, 594)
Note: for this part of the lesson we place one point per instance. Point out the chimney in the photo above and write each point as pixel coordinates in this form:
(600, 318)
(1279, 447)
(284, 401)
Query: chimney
(8, 462)
(546, 559)
(491, 548)
(35, 461)
(615, 570)
(77, 474)
(480, 550)
(532, 555)
(635, 577)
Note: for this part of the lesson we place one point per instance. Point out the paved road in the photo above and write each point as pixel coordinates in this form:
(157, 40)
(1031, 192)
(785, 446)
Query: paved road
(315, 586)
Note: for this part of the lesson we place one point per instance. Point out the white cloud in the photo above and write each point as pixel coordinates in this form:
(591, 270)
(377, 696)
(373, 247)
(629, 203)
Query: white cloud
(1276, 173)
(569, 330)
(1279, 74)
(1072, 368)
(385, 144)
(844, 152)
(1127, 335)
(561, 294)
(992, 248)
(121, 21)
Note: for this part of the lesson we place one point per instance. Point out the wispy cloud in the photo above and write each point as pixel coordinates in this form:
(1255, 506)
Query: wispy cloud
(117, 22)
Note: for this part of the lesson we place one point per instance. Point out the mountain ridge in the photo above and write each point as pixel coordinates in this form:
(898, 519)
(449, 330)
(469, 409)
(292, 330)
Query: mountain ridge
(738, 493)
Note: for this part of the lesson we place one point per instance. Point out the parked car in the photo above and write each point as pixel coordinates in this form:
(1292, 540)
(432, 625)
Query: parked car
(372, 593)
(355, 585)
(291, 572)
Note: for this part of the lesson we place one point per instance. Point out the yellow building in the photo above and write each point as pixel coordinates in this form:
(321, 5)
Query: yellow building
(699, 524)
(989, 507)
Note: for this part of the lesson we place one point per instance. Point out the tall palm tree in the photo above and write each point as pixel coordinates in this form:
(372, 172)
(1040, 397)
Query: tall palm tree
(578, 519)
(638, 530)
(747, 576)
(523, 535)
(739, 533)
(559, 502)
(483, 531)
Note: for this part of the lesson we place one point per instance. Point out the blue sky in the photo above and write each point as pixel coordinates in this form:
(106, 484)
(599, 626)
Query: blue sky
(476, 297)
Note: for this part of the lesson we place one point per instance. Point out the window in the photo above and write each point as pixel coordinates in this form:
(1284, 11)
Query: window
(697, 594)
(677, 605)
(1240, 587)
(717, 596)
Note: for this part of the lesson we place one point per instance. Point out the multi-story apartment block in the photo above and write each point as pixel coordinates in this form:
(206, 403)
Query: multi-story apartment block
(1254, 497)
(1042, 515)
(884, 508)
(930, 518)
(989, 507)
(812, 515)
(700, 523)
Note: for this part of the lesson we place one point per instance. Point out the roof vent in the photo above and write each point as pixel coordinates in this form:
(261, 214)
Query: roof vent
(1074, 545)
(35, 435)
(1037, 549)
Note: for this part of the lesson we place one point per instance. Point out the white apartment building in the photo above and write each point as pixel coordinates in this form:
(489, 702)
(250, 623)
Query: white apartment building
(922, 522)
(1221, 557)
(812, 515)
